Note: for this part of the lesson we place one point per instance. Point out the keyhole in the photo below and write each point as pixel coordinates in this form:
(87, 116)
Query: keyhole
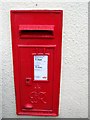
(27, 80)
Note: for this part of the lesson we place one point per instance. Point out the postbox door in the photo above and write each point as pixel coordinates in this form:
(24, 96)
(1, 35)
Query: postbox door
(36, 78)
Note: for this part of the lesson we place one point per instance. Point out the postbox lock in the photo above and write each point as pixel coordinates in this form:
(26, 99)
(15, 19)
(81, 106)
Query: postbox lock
(28, 81)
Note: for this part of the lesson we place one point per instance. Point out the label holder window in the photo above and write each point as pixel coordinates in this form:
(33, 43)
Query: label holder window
(40, 67)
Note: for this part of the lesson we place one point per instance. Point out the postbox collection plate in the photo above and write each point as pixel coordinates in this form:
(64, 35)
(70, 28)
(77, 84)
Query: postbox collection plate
(36, 45)
(40, 67)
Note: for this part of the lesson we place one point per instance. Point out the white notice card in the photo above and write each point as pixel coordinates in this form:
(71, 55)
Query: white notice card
(40, 67)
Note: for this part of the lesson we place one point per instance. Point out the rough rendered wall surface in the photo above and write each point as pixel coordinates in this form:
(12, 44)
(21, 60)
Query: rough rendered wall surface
(74, 77)
(0, 66)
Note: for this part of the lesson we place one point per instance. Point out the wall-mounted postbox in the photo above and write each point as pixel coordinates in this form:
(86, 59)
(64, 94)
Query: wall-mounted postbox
(36, 43)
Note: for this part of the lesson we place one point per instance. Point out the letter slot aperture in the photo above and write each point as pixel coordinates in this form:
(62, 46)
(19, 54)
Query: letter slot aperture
(36, 31)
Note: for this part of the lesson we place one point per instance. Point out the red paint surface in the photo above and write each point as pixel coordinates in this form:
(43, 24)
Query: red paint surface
(36, 32)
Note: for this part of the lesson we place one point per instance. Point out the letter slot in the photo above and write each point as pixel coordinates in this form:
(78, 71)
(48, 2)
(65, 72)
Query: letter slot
(36, 31)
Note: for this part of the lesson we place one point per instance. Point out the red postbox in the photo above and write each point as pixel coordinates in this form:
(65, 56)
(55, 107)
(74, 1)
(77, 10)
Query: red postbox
(36, 43)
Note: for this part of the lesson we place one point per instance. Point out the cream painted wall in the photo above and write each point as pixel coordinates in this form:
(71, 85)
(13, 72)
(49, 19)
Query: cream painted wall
(74, 78)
